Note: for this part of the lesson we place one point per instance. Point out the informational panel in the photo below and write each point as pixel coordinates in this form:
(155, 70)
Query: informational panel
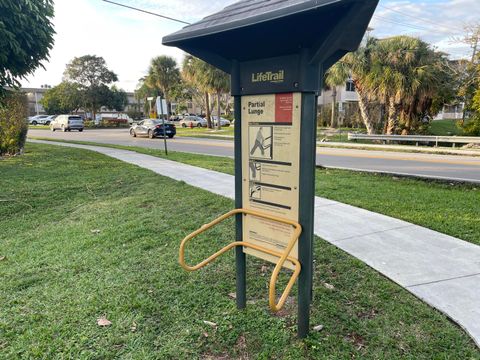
(270, 168)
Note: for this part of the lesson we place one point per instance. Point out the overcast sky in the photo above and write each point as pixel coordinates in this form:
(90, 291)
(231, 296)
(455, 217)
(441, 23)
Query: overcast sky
(128, 39)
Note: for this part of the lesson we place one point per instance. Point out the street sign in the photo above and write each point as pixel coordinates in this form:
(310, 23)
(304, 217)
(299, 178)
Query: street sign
(276, 53)
(161, 105)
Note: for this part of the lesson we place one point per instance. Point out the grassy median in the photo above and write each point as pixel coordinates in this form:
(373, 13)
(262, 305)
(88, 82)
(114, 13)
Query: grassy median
(83, 236)
(450, 208)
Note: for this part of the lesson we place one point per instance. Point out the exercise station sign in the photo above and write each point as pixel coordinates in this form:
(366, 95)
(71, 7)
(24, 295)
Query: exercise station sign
(276, 53)
(270, 161)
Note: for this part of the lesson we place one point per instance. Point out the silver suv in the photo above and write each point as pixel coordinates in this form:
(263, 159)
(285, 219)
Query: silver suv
(67, 123)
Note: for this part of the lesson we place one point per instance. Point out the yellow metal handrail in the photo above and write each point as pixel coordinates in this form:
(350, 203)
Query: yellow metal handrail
(282, 256)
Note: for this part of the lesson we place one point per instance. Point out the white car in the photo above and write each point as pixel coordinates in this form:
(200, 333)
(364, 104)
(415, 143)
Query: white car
(37, 119)
(223, 122)
(41, 119)
(193, 121)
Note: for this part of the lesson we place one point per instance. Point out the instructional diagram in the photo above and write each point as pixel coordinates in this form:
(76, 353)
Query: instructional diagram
(270, 158)
(260, 142)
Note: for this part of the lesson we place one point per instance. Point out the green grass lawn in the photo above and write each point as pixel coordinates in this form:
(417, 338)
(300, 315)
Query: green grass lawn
(39, 127)
(448, 208)
(204, 132)
(59, 276)
(445, 128)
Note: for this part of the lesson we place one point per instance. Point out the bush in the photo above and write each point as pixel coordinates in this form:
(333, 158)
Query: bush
(472, 127)
(13, 124)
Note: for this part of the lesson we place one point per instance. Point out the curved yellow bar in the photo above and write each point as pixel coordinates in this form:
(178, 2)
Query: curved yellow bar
(282, 256)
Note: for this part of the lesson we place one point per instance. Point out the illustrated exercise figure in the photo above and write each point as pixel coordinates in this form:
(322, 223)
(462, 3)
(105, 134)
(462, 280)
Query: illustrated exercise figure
(254, 169)
(259, 140)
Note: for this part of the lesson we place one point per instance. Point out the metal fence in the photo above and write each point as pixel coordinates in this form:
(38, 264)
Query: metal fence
(417, 139)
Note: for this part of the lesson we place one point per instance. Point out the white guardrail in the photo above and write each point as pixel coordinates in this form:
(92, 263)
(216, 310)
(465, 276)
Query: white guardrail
(417, 139)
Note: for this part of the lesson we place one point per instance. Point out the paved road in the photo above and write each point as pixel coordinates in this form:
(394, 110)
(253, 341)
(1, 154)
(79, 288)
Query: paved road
(452, 167)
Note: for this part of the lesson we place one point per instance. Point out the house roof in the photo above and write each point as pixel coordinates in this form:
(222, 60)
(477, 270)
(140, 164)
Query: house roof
(254, 29)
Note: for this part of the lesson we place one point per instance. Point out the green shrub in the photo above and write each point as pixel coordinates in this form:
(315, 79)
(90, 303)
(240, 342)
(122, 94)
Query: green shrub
(472, 127)
(13, 124)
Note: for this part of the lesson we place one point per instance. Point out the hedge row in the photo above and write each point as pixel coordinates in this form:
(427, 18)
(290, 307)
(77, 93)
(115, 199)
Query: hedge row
(13, 124)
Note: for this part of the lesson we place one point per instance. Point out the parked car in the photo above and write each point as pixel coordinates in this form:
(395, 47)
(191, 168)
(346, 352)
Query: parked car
(37, 119)
(223, 121)
(47, 121)
(67, 123)
(152, 128)
(193, 121)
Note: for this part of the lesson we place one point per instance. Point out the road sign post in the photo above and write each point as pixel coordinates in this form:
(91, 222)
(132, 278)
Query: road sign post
(276, 53)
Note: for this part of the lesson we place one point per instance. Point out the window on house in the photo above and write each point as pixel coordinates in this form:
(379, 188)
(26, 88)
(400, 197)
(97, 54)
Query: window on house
(350, 86)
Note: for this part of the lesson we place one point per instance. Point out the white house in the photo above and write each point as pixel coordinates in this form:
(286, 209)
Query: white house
(347, 93)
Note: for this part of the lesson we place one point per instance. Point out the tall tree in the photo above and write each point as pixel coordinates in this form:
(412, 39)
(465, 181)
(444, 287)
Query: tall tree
(163, 74)
(26, 37)
(89, 70)
(359, 64)
(406, 74)
(337, 75)
(144, 91)
(473, 126)
(62, 99)
(26, 34)
(218, 82)
(466, 90)
(208, 79)
(192, 74)
(118, 99)
(91, 73)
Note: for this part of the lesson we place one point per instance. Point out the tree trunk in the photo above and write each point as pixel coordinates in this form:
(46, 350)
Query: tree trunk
(219, 125)
(334, 105)
(207, 110)
(362, 103)
(392, 117)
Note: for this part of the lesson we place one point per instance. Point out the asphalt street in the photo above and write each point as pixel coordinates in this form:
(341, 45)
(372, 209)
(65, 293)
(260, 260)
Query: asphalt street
(451, 167)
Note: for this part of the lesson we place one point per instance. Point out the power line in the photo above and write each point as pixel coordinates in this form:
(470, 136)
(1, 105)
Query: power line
(413, 26)
(146, 12)
(419, 18)
(416, 27)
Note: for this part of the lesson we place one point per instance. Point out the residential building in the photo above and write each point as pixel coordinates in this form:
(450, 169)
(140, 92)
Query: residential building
(34, 95)
(345, 94)
(451, 112)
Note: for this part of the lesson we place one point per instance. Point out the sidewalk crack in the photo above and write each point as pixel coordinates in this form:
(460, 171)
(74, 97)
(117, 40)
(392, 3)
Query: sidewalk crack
(443, 280)
(373, 233)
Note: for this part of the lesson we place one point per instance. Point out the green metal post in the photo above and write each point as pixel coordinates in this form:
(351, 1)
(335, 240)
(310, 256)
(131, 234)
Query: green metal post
(240, 257)
(308, 139)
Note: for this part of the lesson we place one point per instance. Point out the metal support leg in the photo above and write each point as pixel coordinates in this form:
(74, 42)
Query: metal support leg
(240, 258)
(308, 135)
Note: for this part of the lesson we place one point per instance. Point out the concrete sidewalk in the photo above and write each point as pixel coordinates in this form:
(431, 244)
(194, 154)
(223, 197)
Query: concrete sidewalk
(439, 269)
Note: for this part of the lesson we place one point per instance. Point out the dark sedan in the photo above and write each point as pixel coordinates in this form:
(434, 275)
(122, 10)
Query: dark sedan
(153, 128)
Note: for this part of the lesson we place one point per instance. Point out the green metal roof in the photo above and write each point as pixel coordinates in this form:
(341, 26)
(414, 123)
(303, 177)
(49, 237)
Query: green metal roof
(254, 29)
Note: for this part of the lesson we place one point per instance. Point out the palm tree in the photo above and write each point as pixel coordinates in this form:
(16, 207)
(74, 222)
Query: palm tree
(359, 64)
(218, 82)
(163, 74)
(405, 74)
(142, 92)
(337, 75)
(192, 73)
